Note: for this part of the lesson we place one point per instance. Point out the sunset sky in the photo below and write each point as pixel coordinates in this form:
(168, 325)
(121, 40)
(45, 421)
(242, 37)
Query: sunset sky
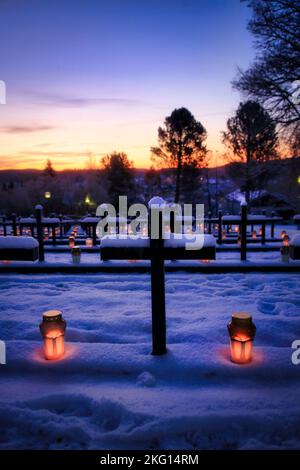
(90, 77)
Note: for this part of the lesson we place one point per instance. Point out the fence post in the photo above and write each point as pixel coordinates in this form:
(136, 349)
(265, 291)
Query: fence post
(158, 287)
(53, 235)
(272, 225)
(209, 222)
(4, 226)
(60, 226)
(172, 222)
(220, 227)
(243, 231)
(14, 224)
(39, 229)
(94, 227)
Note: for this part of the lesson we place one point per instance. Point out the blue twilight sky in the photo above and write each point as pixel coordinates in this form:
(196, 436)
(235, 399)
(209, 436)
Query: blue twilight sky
(89, 77)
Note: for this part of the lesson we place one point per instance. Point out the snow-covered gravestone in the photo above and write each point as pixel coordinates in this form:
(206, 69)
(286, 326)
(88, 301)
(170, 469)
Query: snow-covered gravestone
(297, 221)
(295, 247)
(18, 249)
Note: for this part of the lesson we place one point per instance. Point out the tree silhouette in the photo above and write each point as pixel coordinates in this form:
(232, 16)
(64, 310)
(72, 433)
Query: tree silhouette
(118, 171)
(180, 144)
(252, 138)
(49, 170)
(274, 78)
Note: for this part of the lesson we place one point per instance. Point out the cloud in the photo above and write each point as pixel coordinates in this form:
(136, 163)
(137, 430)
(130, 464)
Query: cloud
(76, 101)
(62, 153)
(25, 129)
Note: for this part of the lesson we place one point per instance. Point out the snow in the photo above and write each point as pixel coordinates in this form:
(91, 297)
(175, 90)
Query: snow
(175, 240)
(231, 217)
(109, 392)
(90, 220)
(32, 220)
(93, 220)
(13, 243)
(124, 240)
(156, 201)
(200, 240)
(237, 218)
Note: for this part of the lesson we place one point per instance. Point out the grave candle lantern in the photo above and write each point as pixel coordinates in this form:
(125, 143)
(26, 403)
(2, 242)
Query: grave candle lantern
(89, 243)
(76, 254)
(53, 329)
(71, 241)
(285, 249)
(283, 234)
(286, 240)
(242, 332)
(254, 235)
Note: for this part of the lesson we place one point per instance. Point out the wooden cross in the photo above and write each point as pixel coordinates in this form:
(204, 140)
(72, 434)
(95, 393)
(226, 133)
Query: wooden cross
(157, 251)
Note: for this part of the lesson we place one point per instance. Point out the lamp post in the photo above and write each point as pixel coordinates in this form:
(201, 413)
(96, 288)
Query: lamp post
(87, 201)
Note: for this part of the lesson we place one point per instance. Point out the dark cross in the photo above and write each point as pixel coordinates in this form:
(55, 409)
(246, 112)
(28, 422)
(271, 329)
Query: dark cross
(243, 232)
(40, 231)
(14, 224)
(155, 250)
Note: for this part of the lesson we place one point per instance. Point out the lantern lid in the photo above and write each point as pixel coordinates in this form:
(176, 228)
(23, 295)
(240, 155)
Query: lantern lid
(241, 317)
(52, 315)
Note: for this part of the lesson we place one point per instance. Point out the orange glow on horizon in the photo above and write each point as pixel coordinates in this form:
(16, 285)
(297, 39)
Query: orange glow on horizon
(81, 163)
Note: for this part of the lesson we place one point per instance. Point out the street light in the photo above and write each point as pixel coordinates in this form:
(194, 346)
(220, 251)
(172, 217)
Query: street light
(47, 195)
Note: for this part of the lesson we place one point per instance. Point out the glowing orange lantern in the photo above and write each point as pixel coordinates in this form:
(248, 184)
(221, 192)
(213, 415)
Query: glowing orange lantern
(283, 234)
(260, 232)
(71, 241)
(286, 240)
(53, 329)
(76, 254)
(254, 235)
(89, 243)
(236, 228)
(285, 249)
(242, 332)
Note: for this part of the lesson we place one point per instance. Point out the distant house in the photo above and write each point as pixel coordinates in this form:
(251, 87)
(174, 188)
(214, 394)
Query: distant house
(273, 201)
(268, 201)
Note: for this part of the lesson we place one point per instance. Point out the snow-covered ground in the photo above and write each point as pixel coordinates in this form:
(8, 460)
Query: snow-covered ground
(110, 392)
